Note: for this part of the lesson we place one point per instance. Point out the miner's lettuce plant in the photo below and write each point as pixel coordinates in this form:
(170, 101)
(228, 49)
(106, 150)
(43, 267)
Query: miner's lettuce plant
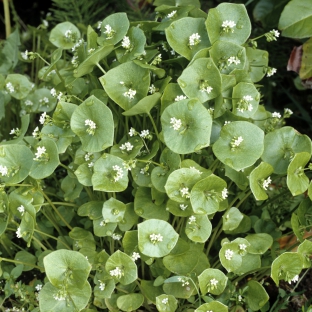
(144, 172)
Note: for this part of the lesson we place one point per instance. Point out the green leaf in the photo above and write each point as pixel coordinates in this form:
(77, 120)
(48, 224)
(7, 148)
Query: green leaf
(198, 228)
(230, 256)
(247, 152)
(258, 62)
(76, 298)
(194, 131)
(166, 303)
(286, 266)
(179, 34)
(212, 306)
(281, 145)
(296, 19)
(144, 106)
(259, 243)
(179, 287)
(113, 210)
(305, 249)
(122, 268)
(93, 139)
(257, 178)
(256, 295)
(46, 165)
(130, 302)
(20, 84)
(126, 84)
(201, 80)
(206, 195)
(64, 35)
(26, 257)
(305, 71)
(156, 238)
(236, 13)
(250, 263)
(18, 160)
(106, 178)
(66, 267)
(213, 281)
(297, 181)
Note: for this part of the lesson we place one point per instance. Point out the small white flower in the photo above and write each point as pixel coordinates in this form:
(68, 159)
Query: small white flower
(172, 14)
(87, 156)
(102, 223)
(288, 112)
(116, 236)
(214, 282)
(126, 44)
(275, 33)
(185, 192)
(132, 132)
(224, 193)
(172, 52)
(276, 115)
(135, 256)
(184, 281)
(271, 71)
(119, 173)
(15, 131)
(144, 133)
(237, 141)
(91, 126)
(102, 285)
(38, 287)
(242, 247)
(194, 39)
(229, 254)
(18, 233)
(240, 298)
(109, 32)
(130, 94)
(21, 209)
(207, 89)
(294, 280)
(9, 86)
(227, 122)
(45, 100)
(68, 34)
(228, 26)
(155, 238)
(99, 25)
(91, 50)
(244, 104)
(91, 164)
(248, 98)
(164, 301)
(53, 92)
(180, 98)
(176, 123)
(45, 23)
(43, 117)
(59, 297)
(183, 207)
(40, 151)
(266, 183)
(59, 96)
(24, 55)
(192, 220)
(126, 146)
(77, 45)
(151, 89)
(233, 60)
(117, 272)
(29, 103)
(4, 170)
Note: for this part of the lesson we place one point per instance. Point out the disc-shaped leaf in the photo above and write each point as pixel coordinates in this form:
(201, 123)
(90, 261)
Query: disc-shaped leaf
(122, 268)
(258, 62)
(109, 174)
(137, 43)
(92, 59)
(17, 159)
(212, 281)
(286, 266)
(130, 302)
(66, 267)
(180, 36)
(305, 249)
(297, 181)
(256, 296)
(119, 24)
(259, 243)
(166, 303)
(224, 12)
(179, 209)
(126, 84)
(102, 229)
(198, 228)
(127, 151)
(156, 238)
(281, 145)
(93, 122)
(179, 287)
(145, 207)
(228, 56)
(113, 210)
(180, 183)
(64, 35)
(242, 106)
(42, 168)
(257, 178)
(201, 80)
(230, 256)
(193, 130)
(239, 155)
(250, 263)
(212, 306)
(18, 86)
(207, 194)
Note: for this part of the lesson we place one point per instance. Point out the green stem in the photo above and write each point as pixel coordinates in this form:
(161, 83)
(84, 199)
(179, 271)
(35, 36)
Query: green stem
(21, 262)
(50, 236)
(7, 18)
(154, 125)
(101, 68)
(213, 236)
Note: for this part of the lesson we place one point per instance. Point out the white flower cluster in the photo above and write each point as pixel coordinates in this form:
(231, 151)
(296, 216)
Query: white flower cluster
(24, 55)
(102, 285)
(157, 60)
(184, 281)
(21, 209)
(116, 236)
(68, 34)
(144, 134)
(214, 282)
(294, 280)
(207, 89)
(242, 247)
(44, 100)
(9, 86)
(172, 14)
(15, 131)
(4, 170)
(233, 60)
(228, 26)
(132, 132)
(276, 115)
(29, 103)
(183, 207)
(41, 151)
(155, 238)
(59, 297)
(18, 233)
(135, 256)
(229, 254)
(184, 191)
(91, 126)
(271, 71)
(237, 141)
(43, 118)
(192, 220)
(224, 193)
(180, 98)
(244, 104)
(130, 94)
(165, 301)
(36, 133)
(194, 39)
(118, 174)
(126, 146)
(109, 32)
(77, 45)
(266, 183)
(126, 44)
(152, 89)
(176, 123)
(117, 272)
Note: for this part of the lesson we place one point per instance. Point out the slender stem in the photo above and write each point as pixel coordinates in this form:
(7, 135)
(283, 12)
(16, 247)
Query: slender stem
(101, 68)
(21, 262)
(50, 236)
(7, 18)
(154, 125)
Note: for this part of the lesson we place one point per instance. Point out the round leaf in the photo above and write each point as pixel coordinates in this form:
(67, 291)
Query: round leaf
(258, 62)
(113, 210)
(64, 35)
(230, 256)
(305, 249)
(212, 306)
(20, 84)
(194, 131)
(93, 139)
(256, 296)
(166, 303)
(259, 243)
(130, 302)
(198, 230)
(212, 281)
(165, 240)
